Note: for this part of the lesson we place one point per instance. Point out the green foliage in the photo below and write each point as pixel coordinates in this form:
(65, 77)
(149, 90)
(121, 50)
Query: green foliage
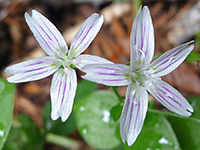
(156, 134)
(84, 88)
(197, 40)
(24, 135)
(97, 116)
(116, 111)
(187, 129)
(152, 104)
(94, 122)
(65, 128)
(57, 127)
(193, 57)
(7, 91)
(137, 4)
(63, 141)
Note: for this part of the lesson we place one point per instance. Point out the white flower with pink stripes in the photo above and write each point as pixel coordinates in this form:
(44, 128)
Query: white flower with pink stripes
(60, 60)
(142, 76)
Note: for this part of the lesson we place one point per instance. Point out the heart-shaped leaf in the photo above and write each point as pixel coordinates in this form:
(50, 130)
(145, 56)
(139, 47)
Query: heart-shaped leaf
(94, 121)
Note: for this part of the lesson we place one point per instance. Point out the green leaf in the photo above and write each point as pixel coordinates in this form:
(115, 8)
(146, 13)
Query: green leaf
(197, 39)
(84, 88)
(121, 147)
(193, 57)
(137, 4)
(7, 91)
(94, 122)
(156, 134)
(152, 104)
(57, 126)
(187, 129)
(195, 102)
(116, 111)
(24, 135)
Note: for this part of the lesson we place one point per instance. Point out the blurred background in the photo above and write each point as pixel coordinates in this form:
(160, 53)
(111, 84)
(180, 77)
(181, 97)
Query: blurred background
(175, 22)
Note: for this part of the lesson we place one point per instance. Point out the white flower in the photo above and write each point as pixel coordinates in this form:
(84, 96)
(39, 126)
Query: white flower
(60, 60)
(141, 76)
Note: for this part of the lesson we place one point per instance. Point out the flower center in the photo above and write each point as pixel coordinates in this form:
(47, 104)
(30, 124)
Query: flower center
(140, 76)
(66, 62)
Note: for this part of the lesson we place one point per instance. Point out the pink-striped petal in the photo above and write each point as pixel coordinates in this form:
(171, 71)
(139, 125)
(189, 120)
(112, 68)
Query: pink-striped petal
(133, 113)
(63, 89)
(170, 98)
(47, 35)
(142, 39)
(85, 59)
(107, 74)
(171, 59)
(86, 34)
(31, 70)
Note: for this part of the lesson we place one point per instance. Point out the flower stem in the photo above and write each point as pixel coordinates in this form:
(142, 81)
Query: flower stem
(116, 93)
(172, 115)
(62, 141)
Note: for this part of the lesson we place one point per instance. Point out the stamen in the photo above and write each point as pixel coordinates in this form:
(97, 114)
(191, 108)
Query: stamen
(53, 65)
(75, 50)
(139, 61)
(127, 76)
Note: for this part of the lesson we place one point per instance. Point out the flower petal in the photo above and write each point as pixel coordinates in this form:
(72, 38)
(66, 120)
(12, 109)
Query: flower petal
(170, 98)
(31, 70)
(171, 59)
(142, 39)
(86, 34)
(107, 74)
(47, 35)
(84, 59)
(63, 90)
(133, 113)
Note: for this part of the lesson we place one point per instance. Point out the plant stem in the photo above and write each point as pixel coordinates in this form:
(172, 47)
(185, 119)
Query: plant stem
(62, 141)
(173, 115)
(117, 94)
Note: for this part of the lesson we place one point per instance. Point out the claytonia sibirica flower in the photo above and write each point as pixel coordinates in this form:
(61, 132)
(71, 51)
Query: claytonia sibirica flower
(60, 60)
(141, 76)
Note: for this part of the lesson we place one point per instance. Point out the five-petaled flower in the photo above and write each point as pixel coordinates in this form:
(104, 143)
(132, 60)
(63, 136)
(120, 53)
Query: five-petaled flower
(60, 60)
(141, 76)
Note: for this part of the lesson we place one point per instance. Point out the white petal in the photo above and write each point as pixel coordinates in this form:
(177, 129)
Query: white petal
(31, 70)
(86, 34)
(133, 113)
(171, 59)
(142, 39)
(84, 59)
(63, 90)
(170, 98)
(107, 74)
(47, 35)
